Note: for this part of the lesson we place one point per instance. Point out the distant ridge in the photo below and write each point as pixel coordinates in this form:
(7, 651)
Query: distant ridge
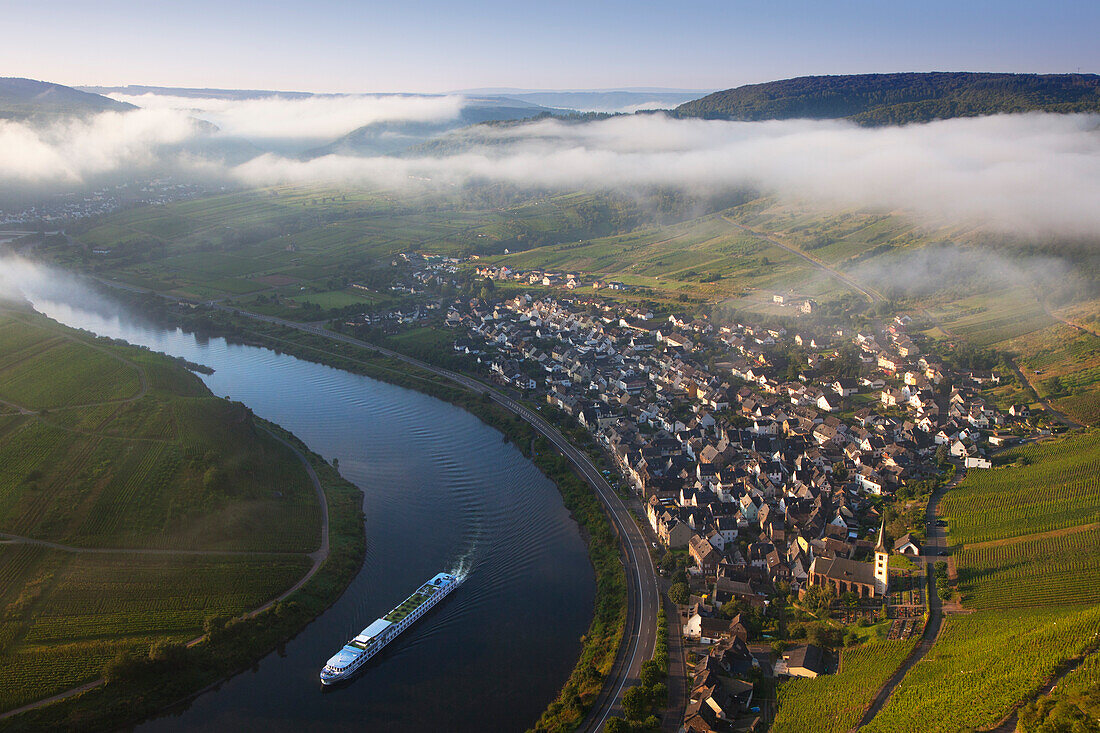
(26, 98)
(894, 99)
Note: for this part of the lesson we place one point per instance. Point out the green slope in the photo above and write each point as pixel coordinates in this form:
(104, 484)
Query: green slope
(891, 99)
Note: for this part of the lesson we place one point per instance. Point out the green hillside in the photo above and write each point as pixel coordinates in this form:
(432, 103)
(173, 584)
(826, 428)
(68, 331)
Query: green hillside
(894, 99)
(23, 98)
(123, 452)
(1029, 568)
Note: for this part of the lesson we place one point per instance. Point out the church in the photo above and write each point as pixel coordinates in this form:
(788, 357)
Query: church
(865, 579)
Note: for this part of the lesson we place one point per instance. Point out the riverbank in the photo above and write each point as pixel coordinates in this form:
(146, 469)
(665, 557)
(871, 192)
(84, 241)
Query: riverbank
(139, 686)
(601, 644)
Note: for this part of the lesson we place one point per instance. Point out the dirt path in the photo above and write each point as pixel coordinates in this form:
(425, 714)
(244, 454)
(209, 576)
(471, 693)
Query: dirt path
(870, 294)
(934, 544)
(1008, 725)
(318, 557)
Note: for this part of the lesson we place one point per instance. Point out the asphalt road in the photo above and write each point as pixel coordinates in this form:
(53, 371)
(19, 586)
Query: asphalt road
(643, 598)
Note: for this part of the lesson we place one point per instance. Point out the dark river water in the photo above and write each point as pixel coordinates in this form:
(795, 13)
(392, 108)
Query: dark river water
(441, 490)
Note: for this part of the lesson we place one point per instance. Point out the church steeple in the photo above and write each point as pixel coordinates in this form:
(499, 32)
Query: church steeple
(882, 562)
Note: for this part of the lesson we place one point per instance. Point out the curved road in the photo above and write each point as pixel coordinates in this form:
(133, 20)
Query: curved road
(643, 598)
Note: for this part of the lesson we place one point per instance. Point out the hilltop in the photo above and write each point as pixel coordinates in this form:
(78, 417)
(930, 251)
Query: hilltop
(892, 99)
(23, 98)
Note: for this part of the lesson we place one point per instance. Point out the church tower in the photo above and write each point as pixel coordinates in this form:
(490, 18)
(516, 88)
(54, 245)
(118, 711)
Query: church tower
(882, 562)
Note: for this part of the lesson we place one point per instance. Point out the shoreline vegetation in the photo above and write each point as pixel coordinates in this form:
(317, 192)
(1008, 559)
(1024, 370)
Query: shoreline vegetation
(600, 644)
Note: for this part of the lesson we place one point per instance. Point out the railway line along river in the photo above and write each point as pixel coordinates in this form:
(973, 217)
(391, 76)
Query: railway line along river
(441, 489)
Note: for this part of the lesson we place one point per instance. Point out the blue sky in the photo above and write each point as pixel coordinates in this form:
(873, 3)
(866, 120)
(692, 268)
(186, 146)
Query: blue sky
(441, 45)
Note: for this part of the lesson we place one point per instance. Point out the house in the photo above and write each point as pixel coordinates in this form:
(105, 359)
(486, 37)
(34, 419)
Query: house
(907, 545)
(673, 533)
(977, 462)
(805, 660)
(706, 630)
(704, 554)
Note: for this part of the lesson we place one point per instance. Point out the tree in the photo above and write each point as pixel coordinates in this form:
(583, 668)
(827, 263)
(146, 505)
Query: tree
(651, 673)
(636, 703)
(818, 598)
(616, 725)
(679, 593)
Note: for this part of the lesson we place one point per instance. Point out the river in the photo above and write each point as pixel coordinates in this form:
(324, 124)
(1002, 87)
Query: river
(440, 488)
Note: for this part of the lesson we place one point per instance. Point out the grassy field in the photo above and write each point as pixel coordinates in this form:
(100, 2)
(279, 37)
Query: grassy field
(285, 238)
(834, 703)
(111, 447)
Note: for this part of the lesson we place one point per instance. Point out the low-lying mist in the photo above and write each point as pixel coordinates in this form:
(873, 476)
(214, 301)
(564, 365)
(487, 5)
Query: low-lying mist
(1030, 174)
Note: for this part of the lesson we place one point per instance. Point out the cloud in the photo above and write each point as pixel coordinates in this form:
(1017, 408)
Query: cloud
(70, 151)
(320, 117)
(1029, 174)
(1033, 173)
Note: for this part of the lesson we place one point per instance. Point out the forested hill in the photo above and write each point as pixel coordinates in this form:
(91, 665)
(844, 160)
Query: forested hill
(23, 98)
(893, 99)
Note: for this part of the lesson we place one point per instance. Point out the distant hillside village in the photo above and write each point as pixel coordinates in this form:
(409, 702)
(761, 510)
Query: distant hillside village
(768, 462)
(759, 480)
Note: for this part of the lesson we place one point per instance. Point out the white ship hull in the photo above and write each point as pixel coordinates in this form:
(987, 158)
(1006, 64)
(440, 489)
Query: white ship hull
(373, 639)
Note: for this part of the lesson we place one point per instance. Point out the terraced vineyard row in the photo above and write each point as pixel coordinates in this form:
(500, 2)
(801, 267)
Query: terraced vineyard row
(834, 703)
(178, 468)
(78, 375)
(34, 672)
(981, 665)
(1060, 488)
(1051, 571)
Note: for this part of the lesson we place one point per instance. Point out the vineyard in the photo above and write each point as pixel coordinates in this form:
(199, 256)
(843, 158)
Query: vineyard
(132, 452)
(176, 468)
(834, 703)
(981, 665)
(1059, 488)
(1059, 570)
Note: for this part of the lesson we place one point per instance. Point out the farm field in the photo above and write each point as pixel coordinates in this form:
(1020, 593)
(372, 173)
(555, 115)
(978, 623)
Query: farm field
(1059, 488)
(248, 242)
(158, 462)
(834, 703)
(67, 614)
(112, 447)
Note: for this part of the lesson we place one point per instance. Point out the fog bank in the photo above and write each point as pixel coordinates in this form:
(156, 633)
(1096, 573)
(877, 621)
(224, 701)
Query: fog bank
(1020, 174)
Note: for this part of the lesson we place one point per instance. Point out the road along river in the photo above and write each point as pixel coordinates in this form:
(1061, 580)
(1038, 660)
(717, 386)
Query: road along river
(440, 489)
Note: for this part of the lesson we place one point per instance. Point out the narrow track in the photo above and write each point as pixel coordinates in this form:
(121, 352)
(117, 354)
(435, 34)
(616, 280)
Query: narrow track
(318, 557)
(871, 295)
(935, 543)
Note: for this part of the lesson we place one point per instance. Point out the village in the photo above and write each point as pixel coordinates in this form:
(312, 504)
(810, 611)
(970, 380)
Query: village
(760, 478)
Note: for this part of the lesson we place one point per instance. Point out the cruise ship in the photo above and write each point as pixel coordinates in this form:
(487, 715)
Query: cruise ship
(346, 662)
